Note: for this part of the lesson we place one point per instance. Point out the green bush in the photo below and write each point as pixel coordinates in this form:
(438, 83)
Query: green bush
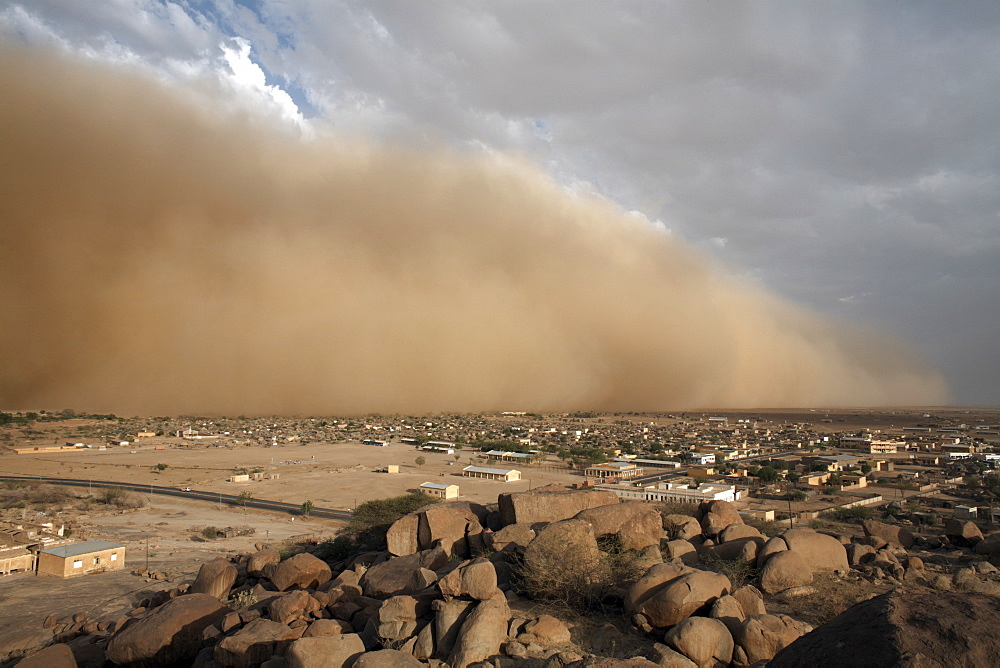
(854, 515)
(335, 549)
(209, 533)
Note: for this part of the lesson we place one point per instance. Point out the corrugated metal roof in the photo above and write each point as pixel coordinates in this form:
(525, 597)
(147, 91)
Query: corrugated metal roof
(76, 549)
(483, 469)
(435, 485)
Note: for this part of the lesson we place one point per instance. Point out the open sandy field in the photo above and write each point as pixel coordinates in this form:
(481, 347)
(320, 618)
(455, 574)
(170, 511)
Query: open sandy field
(331, 475)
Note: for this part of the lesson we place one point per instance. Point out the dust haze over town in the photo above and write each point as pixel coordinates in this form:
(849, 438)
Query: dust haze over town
(165, 254)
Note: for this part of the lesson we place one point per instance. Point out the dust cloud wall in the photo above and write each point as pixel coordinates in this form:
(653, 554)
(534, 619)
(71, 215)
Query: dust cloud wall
(161, 257)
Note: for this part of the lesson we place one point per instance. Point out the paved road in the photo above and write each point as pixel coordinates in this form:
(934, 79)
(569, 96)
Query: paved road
(214, 497)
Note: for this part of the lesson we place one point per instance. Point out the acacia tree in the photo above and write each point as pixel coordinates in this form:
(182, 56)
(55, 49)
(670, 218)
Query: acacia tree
(307, 507)
(244, 498)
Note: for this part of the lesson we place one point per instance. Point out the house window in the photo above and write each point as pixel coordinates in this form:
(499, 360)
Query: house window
(78, 563)
(114, 556)
(97, 560)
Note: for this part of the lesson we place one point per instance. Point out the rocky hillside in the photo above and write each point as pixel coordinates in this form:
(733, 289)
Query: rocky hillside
(554, 578)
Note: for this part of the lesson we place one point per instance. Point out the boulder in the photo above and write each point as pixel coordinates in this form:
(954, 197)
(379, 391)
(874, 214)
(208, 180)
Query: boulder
(215, 578)
(401, 537)
(714, 516)
(921, 628)
(169, 634)
(633, 516)
(893, 535)
(510, 538)
(858, 553)
(665, 657)
(481, 634)
(253, 644)
(258, 560)
(54, 656)
(448, 619)
(962, 534)
(452, 522)
(300, 570)
(772, 546)
(751, 600)
(760, 637)
(785, 570)
(823, 553)
(327, 627)
(387, 658)
(685, 596)
(728, 611)
(741, 549)
(476, 579)
(738, 531)
(681, 527)
(546, 630)
(652, 581)
(679, 549)
(397, 575)
(707, 642)
(325, 652)
(989, 546)
(551, 503)
(291, 606)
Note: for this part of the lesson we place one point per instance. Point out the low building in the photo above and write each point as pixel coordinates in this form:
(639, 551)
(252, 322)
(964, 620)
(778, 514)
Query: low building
(966, 512)
(388, 468)
(16, 559)
(505, 456)
(242, 477)
(439, 490)
(651, 463)
(438, 448)
(81, 558)
(626, 491)
(700, 471)
(702, 458)
(680, 493)
(507, 475)
(616, 470)
(840, 462)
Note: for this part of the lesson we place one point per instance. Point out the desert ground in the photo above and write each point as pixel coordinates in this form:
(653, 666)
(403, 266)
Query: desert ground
(331, 475)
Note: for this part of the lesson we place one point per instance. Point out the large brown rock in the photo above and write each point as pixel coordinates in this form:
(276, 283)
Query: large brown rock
(989, 546)
(681, 527)
(679, 549)
(824, 554)
(915, 629)
(401, 537)
(476, 579)
(454, 522)
(751, 600)
(545, 630)
(652, 581)
(740, 549)
(739, 531)
(895, 536)
(858, 553)
(633, 516)
(760, 637)
(253, 644)
(215, 578)
(291, 606)
(785, 570)
(715, 516)
(448, 619)
(325, 651)
(772, 546)
(962, 534)
(260, 559)
(54, 656)
(387, 658)
(689, 594)
(481, 634)
(510, 538)
(666, 657)
(705, 641)
(300, 570)
(398, 575)
(169, 634)
(727, 609)
(551, 503)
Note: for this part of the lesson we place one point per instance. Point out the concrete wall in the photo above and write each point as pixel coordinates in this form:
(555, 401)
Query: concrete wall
(91, 562)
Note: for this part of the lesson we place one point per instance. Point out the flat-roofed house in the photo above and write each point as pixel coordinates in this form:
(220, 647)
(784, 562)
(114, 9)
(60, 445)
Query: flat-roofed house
(507, 475)
(617, 470)
(14, 559)
(80, 558)
(439, 490)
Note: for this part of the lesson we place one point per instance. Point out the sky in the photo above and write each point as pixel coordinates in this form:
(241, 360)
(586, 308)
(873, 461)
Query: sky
(842, 157)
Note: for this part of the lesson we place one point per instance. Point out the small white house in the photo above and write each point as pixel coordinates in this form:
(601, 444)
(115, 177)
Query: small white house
(439, 490)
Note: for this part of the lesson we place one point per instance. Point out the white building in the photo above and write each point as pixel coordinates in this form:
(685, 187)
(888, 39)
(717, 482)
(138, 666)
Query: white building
(507, 475)
(681, 493)
(439, 490)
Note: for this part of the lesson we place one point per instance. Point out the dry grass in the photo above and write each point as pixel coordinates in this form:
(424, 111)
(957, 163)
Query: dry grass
(833, 596)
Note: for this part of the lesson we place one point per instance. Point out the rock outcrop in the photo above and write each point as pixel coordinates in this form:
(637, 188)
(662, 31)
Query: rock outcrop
(169, 634)
(549, 504)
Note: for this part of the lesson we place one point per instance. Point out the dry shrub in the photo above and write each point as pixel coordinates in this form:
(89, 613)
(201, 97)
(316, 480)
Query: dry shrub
(120, 498)
(578, 579)
(676, 508)
(738, 571)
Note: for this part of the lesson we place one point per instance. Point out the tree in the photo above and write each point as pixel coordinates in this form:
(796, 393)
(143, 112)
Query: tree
(768, 474)
(866, 468)
(420, 461)
(161, 467)
(307, 507)
(244, 498)
(798, 495)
